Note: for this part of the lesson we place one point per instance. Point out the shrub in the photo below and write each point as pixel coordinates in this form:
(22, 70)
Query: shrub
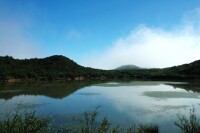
(189, 124)
(88, 124)
(24, 123)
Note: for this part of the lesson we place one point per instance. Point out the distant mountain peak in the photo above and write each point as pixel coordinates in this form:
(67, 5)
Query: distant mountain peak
(128, 67)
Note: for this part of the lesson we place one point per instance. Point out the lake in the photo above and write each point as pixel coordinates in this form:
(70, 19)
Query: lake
(123, 103)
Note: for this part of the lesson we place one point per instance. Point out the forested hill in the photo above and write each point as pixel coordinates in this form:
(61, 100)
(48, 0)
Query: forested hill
(191, 69)
(55, 67)
(58, 67)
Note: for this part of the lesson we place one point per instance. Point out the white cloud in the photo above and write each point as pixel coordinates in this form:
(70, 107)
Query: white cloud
(153, 47)
(14, 41)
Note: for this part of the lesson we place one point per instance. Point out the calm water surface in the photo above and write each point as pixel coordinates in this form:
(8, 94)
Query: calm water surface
(123, 102)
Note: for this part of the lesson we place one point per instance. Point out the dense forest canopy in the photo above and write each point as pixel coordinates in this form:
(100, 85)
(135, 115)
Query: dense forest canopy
(58, 67)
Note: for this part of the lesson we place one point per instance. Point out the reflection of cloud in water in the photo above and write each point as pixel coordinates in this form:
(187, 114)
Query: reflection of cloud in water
(164, 108)
(171, 94)
(88, 93)
(25, 102)
(124, 102)
(136, 83)
(130, 101)
(144, 103)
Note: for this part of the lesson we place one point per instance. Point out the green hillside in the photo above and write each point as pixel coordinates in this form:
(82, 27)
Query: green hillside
(50, 68)
(55, 67)
(58, 67)
(186, 69)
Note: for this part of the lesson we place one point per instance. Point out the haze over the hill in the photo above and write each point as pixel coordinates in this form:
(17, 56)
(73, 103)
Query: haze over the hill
(102, 34)
(127, 67)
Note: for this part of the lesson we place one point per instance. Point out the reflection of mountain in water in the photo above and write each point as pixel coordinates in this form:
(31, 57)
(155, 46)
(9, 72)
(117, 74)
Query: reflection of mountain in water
(193, 86)
(63, 89)
(130, 83)
(50, 89)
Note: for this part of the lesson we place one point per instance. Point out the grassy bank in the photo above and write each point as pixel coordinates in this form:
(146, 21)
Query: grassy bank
(29, 122)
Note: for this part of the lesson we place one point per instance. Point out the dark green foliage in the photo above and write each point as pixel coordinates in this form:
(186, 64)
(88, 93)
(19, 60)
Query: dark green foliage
(28, 122)
(104, 126)
(147, 128)
(24, 123)
(50, 68)
(62, 68)
(186, 71)
(88, 123)
(189, 124)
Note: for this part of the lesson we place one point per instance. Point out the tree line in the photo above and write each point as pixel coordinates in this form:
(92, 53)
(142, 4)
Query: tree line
(58, 67)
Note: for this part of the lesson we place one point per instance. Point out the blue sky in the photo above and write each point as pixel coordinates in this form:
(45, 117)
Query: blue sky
(102, 33)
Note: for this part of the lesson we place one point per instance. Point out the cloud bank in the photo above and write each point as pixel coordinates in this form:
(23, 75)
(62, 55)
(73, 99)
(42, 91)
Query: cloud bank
(151, 47)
